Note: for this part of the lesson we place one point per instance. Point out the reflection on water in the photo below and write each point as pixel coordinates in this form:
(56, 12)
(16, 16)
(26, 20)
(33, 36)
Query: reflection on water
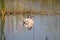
(44, 26)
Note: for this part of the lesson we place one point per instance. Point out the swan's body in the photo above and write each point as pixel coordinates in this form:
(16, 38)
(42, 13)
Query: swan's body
(28, 23)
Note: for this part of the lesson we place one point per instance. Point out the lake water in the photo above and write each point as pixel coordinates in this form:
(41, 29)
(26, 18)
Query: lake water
(45, 26)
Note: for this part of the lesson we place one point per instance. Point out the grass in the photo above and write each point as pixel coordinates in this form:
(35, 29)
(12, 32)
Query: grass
(2, 19)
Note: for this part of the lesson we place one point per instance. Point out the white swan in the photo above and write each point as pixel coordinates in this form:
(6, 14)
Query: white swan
(28, 22)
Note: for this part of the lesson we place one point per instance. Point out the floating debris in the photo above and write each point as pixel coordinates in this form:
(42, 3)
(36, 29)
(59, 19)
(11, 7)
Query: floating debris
(28, 22)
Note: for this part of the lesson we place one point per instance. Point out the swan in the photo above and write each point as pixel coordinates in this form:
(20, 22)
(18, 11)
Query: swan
(28, 22)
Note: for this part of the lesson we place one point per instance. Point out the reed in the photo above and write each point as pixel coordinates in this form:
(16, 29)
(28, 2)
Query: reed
(2, 20)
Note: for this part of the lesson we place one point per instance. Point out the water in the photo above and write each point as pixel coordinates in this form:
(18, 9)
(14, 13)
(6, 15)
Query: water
(44, 27)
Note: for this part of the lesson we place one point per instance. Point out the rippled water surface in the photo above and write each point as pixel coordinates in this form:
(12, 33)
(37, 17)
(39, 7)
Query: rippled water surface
(44, 27)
